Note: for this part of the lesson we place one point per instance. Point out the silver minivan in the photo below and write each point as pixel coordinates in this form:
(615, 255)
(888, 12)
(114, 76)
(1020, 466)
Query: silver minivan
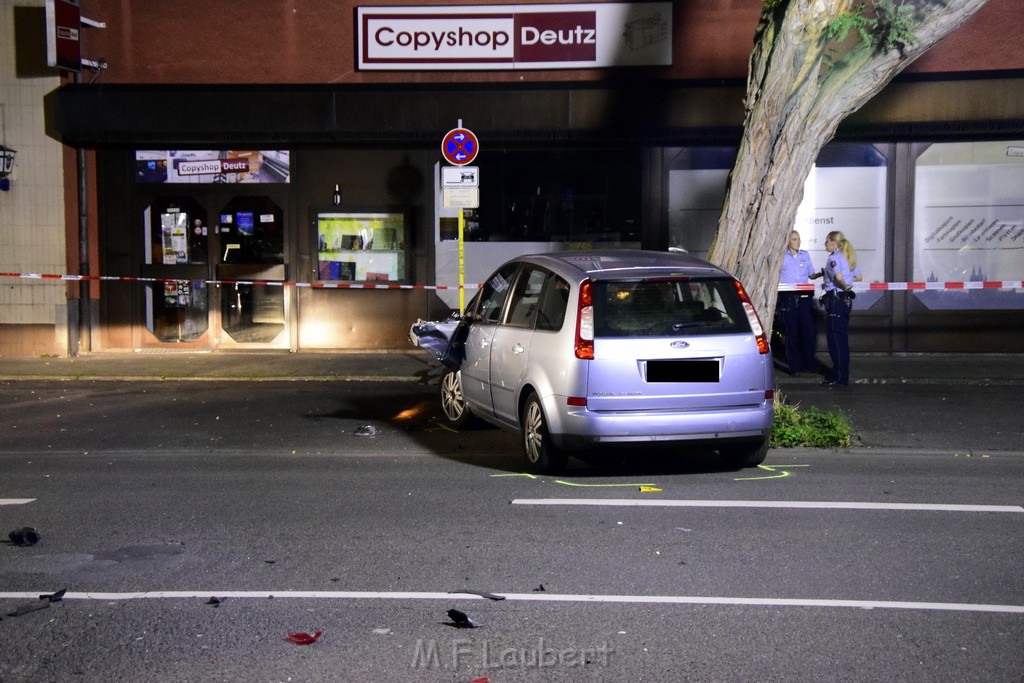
(583, 349)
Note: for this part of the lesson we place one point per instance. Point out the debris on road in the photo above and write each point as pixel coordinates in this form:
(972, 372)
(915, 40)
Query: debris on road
(482, 594)
(460, 619)
(366, 430)
(24, 536)
(304, 638)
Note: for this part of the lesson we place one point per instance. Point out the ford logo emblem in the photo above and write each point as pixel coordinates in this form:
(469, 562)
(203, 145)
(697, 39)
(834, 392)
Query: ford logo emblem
(680, 345)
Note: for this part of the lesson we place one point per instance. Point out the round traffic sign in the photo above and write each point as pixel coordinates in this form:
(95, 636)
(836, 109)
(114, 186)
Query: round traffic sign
(460, 146)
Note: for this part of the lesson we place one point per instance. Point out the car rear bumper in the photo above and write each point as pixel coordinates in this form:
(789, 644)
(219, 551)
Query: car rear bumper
(579, 427)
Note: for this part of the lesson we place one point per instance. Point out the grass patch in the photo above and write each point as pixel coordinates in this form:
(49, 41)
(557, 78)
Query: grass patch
(811, 427)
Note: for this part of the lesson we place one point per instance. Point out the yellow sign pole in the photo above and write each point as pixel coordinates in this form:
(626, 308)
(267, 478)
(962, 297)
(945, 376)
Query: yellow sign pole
(462, 264)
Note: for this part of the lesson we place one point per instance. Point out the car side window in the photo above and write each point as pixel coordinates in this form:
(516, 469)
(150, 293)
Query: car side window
(493, 294)
(553, 300)
(526, 297)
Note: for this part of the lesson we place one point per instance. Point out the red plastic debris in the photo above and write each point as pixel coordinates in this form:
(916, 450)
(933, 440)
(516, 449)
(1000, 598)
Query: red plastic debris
(304, 638)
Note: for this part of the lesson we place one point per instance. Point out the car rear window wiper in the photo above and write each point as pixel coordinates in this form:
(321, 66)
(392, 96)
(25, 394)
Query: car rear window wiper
(695, 323)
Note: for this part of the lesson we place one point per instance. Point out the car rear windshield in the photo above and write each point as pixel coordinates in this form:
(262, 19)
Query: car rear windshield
(667, 307)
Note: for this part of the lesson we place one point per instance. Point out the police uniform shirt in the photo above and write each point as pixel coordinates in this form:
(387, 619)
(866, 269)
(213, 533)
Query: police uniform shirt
(796, 270)
(836, 263)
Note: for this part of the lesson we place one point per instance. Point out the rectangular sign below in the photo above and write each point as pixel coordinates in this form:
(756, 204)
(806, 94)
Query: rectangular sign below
(569, 36)
(460, 176)
(461, 198)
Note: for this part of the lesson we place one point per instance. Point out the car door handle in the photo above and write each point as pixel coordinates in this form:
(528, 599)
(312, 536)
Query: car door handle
(518, 349)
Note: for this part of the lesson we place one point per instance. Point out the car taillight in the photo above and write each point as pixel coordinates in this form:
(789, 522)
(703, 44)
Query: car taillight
(755, 322)
(585, 323)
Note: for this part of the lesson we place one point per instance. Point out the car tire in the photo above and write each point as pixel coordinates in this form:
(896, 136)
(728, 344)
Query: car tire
(748, 454)
(453, 402)
(542, 456)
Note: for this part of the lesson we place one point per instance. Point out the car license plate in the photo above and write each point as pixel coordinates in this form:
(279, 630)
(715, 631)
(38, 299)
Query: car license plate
(682, 371)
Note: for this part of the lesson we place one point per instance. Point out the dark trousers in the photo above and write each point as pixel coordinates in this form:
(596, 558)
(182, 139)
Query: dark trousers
(837, 333)
(798, 330)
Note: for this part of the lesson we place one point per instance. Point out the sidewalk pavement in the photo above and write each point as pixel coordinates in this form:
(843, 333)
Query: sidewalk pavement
(408, 365)
(415, 364)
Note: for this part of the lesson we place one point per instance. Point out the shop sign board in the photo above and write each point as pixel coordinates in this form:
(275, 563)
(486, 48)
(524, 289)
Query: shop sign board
(63, 35)
(212, 166)
(569, 36)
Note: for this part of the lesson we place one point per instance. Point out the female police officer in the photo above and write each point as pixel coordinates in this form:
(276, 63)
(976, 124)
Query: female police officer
(794, 308)
(837, 301)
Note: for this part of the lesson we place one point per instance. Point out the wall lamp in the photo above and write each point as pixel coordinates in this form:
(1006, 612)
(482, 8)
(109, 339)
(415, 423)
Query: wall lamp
(6, 153)
(6, 166)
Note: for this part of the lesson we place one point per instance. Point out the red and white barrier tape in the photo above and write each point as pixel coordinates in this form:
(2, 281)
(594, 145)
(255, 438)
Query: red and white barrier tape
(857, 287)
(914, 286)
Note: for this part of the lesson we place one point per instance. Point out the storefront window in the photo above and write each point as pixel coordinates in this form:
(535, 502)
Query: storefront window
(361, 246)
(969, 222)
(845, 191)
(696, 193)
(581, 198)
(177, 232)
(251, 231)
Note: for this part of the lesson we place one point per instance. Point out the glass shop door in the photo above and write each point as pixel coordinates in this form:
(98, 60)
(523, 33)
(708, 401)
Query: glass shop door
(199, 274)
(250, 249)
(175, 270)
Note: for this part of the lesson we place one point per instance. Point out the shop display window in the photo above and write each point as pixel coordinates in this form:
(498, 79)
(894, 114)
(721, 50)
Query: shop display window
(177, 232)
(361, 246)
(845, 191)
(969, 222)
(576, 197)
(251, 231)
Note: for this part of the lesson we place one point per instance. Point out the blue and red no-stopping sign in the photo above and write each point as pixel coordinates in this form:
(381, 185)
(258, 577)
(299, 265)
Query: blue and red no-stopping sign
(460, 146)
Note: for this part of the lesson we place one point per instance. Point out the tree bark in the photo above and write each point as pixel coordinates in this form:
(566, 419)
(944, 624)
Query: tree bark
(800, 87)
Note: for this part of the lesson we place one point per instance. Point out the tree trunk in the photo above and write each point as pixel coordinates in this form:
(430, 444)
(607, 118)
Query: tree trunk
(799, 89)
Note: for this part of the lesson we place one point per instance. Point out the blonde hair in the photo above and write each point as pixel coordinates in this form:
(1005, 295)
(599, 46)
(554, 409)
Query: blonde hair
(844, 246)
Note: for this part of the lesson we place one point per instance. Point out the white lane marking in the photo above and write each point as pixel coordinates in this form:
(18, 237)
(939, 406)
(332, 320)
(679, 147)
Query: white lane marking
(15, 501)
(836, 505)
(532, 597)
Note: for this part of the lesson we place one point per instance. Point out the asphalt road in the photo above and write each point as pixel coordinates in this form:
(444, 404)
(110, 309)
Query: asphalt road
(152, 498)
